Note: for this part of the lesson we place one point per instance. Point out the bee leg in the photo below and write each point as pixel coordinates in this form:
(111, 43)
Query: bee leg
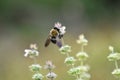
(60, 36)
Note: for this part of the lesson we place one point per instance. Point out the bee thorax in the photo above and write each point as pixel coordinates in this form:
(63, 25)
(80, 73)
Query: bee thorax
(54, 32)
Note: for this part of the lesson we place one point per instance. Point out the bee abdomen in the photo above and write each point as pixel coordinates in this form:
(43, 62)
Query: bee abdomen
(47, 42)
(53, 40)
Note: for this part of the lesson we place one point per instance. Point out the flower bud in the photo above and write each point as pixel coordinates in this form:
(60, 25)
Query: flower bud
(116, 73)
(35, 67)
(82, 56)
(37, 76)
(70, 60)
(111, 48)
(65, 49)
(114, 56)
(82, 40)
(49, 65)
(51, 75)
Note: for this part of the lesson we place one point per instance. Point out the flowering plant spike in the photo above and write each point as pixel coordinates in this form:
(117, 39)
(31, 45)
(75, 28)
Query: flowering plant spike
(80, 72)
(32, 53)
(114, 56)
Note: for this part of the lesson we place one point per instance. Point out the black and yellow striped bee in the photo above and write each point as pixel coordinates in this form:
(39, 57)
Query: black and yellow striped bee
(54, 37)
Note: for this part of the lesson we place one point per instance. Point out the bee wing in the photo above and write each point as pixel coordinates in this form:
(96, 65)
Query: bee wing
(47, 42)
(59, 43)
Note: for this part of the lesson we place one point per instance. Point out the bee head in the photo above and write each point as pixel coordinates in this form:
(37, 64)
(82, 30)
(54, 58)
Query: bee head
(54, 32)
(57, 29)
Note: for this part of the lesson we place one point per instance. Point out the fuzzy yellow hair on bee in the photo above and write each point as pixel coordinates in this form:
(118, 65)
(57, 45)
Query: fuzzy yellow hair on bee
(54, 32)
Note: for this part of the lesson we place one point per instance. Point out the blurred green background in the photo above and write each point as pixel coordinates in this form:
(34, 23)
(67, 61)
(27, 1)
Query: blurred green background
(23, 22)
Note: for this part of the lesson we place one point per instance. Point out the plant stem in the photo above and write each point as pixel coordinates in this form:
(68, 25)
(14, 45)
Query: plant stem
(35, 61)
(62, 41)
(81, 63)
(82, 48)
(116, 64)
(67, 54)
(77, 77)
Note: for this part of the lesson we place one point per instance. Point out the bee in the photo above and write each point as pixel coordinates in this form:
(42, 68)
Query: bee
(54, 37)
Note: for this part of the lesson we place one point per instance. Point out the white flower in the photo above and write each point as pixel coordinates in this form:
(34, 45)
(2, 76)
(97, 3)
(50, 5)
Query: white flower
(116, 73)
(85, 76)
(114, 56)
(35, 67)
(82, 40)
(70, 60)
(83, 68)
(49, 65)
(33, 46)
(62, 30)
(78, 70)
(31, 53)
(51, 75)
(82, 55)
(111, 48)
(27, 51)
(65, 49)
(58, 25)
(37, 76)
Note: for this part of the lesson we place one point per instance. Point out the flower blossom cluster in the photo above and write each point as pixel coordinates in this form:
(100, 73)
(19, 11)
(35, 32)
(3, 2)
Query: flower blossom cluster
(49, 66)
(80, 71)
(82, 40)
(60, 27)
(114, 56)
(32, 52)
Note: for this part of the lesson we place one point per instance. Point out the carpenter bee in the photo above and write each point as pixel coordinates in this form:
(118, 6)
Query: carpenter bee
(54, 37)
